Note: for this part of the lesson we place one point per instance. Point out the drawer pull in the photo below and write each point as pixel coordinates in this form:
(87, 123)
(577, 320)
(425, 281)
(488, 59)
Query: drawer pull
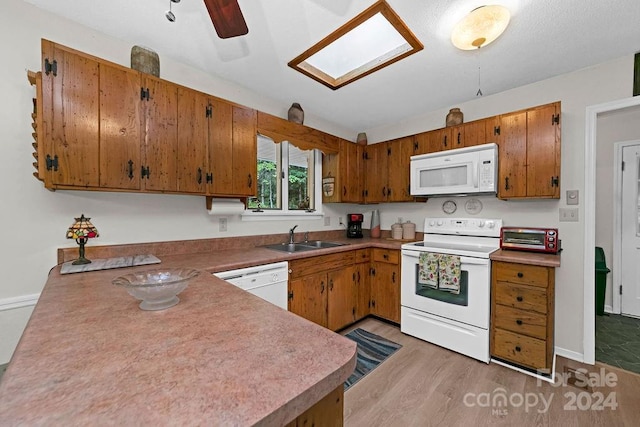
(519, 298)
(518, 348)
(519, 322)
(520, 275)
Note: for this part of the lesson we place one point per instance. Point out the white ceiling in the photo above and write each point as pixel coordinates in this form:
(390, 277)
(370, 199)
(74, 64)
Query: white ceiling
(545, 38)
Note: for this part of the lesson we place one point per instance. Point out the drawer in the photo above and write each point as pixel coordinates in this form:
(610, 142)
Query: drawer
(521, 297)
(390, 256)
(520, 321)
(520, 349)
(363, 255)
(317, 264)
(521, 273)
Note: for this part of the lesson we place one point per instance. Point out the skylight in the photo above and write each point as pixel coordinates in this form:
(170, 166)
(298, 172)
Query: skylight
(372, 40)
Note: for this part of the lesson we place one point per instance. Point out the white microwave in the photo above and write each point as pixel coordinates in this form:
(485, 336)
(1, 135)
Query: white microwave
(469, 170)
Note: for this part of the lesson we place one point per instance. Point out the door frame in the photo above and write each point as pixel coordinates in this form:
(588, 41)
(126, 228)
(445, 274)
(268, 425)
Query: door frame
(589, 310)
(616, 301)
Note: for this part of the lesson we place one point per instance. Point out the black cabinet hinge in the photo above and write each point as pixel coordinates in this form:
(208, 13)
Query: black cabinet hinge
(209, 178)
(144, 94)
(290, 295)
(388, 151)
(209, 112)
(50, 67)
(415, 146)
(555, 181)
(555, 119)
(496, 130)
(52, 163)
(144, 172)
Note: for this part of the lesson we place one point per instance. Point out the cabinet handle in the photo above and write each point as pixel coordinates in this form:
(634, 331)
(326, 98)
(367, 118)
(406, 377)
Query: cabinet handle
(322, 287)
(506, 183)
(386, 256)
(199, 176)
(519, 298)
(249, 181)
(519, 322)
(520, 274)
(358, 277)
(344, 190)
(130, 174)
(331, 284)
(384, 191)
(518, 349)
(458, 138)
(445, 140)
(393, 277)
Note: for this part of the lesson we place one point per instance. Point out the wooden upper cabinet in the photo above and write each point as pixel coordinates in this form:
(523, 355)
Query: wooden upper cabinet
(221, 147)
(120, 127)
(471, 133)
(543, 151)
(245, 151)
(193, 141)
(70, 117)
(529, 153)
(346, 169)
(442, 139)
(399, 152)
(159, 170)
(376, 166)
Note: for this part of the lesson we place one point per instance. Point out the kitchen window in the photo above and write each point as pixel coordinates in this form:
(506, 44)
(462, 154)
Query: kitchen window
(287, 181)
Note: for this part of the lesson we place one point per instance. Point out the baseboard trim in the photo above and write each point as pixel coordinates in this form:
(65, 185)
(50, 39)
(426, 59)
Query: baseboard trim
(569, 354)
(18, 302)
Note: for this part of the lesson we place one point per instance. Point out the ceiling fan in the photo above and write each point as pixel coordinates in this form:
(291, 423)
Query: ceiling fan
(227, 18)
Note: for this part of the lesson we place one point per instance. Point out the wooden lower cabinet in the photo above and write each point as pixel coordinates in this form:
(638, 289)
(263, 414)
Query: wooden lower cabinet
(522, 314)
(337, 290)
(385, 284)
(328, 412)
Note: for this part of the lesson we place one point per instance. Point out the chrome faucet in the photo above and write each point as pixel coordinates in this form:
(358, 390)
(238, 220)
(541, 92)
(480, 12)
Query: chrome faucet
(291, 234)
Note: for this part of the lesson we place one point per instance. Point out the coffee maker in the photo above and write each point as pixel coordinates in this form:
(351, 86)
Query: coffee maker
(354, 225)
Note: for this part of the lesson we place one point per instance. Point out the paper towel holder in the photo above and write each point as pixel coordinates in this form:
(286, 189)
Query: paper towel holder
(209, 201)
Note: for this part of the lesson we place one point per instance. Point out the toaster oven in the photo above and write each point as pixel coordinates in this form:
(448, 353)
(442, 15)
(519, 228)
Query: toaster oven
(530, 239)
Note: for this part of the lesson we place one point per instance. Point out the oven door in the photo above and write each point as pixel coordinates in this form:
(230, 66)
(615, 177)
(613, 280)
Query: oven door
(470, 306)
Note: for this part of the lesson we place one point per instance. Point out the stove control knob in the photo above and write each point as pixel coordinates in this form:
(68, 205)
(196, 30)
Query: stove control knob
(432, 223)
(440, 223)
(491, 224)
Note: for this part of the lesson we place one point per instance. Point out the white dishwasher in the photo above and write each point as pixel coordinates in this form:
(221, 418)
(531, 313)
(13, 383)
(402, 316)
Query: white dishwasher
(268, 281)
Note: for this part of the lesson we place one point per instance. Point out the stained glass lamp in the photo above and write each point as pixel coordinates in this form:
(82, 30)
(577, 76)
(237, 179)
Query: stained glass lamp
(82, 230)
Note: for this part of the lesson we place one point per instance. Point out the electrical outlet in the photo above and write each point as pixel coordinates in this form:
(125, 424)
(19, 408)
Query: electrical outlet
(568, 214)
(222, 223)
(327, 220)
(340, 220)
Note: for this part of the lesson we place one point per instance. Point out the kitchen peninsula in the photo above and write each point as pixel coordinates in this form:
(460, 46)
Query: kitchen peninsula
(221, 356)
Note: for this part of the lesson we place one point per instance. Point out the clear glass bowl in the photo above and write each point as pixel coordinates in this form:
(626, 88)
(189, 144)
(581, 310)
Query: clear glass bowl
(158, 289)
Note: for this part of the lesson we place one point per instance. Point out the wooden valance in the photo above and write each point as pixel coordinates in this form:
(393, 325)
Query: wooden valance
(303, 137)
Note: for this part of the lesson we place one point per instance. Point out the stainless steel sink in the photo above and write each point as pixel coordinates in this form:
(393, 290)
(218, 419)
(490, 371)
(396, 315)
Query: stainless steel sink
(319, 244)
(289, 247)
(303, 246)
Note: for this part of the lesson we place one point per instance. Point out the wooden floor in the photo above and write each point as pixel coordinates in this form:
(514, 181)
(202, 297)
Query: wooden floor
(422, 385)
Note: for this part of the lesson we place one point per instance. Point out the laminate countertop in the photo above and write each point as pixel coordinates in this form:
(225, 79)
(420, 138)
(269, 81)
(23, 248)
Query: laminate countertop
(222, 356)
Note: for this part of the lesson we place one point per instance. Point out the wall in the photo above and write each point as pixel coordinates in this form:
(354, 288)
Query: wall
(577, 90)
(612, 127)
(35, 220)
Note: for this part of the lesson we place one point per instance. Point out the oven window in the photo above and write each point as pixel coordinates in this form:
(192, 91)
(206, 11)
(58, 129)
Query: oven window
(440, 295)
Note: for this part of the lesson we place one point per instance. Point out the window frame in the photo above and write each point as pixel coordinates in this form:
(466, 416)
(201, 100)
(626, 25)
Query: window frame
(284, 212)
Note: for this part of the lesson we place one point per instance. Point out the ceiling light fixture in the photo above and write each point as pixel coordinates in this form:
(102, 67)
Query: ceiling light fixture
(480, 27)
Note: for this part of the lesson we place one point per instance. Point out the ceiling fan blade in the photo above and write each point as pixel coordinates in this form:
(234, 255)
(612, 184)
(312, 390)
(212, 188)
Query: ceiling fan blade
(227, 18)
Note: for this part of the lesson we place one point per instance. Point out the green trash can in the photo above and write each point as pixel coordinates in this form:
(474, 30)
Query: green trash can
(601, 280)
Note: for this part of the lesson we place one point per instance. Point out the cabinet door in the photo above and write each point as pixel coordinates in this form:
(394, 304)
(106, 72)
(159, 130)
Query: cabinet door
(427, 142)
(376, 158)
(385, 291)
(193, 139)
(351, 181)
(221, 147)
(161, 135)
(543, 151)
(342, 298)
(398, 174)
(512, 156)
(245, 143)
(70, 117)
(441, 139)
(120, 127)
(364, 290)
(308, 297)
(473, 133)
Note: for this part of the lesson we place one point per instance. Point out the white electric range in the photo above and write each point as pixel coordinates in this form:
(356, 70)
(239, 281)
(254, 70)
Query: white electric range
(454, 317)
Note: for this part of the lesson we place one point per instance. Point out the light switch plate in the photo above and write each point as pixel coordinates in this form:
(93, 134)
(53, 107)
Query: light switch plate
(572, 197)
(569, 215)
(327, 221)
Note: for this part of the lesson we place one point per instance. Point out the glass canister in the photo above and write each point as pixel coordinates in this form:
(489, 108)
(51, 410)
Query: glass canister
(375, 224)
(408, 231)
